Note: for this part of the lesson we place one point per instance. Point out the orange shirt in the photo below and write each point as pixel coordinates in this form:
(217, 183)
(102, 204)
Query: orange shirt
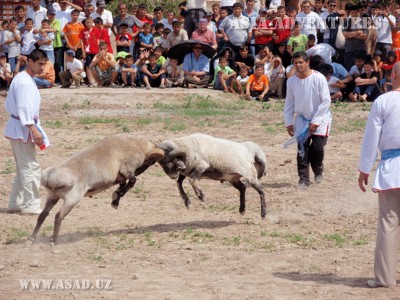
(258, 84)
(71, 32)
(396, 39)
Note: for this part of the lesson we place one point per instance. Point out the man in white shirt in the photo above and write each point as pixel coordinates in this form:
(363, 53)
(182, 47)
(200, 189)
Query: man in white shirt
(104, 14)
(37, 13)
(309, 99)
(384, 23)
(24, 132)
(382, 132)
(310, 21)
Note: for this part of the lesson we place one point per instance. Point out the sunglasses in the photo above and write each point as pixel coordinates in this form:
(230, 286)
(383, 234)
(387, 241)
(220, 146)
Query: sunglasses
(332, 5)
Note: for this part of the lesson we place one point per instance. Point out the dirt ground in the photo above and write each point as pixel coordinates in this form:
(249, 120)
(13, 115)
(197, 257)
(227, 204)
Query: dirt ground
(315, 244)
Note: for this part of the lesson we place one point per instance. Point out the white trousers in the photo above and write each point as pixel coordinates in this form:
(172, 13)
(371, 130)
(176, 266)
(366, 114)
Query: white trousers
(388, 238)
(25, 189)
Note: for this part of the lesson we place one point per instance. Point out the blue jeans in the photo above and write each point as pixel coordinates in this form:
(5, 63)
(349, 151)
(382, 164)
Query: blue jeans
(50, 55)
(372, 91)
(42, 83)
(13, 62)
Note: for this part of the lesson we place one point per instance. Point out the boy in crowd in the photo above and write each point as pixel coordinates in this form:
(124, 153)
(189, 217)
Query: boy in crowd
(244, 59)
(123, 39)
(45, 40)
(72, 32)
(5, 72)
(104, 36)
(20, 15)
(28, 38)
(146, 38)
(357, 69)
(153, 75)
(128, 72)
(224, 76)
(90, 43)
(297, 42)
(116, 77)
(386, 82)
(158, 51)
(257, 86)
(12, 39)
(46, 79)
(175, 74)
(377, 56)
(102, 66)
(240, 83)
(334, 83)
(74, 73)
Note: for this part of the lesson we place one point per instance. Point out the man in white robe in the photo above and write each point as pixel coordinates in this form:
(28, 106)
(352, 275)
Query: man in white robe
(307, 117)
(382, 132)
(24, 131)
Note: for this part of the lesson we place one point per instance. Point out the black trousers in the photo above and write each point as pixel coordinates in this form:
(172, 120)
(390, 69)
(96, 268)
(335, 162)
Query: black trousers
(313, 155)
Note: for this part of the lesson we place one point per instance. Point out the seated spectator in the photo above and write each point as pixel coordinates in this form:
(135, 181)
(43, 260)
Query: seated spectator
(311, 41)
(22, 63)
(46, 79)
(377, 56)
(284, 55)
(196, 67)
(224, 76)
(244, 59)
(5, 72)
(74, 72)
(153, 75)
(205, 35)
(257, 86)
(367, 88)
(276, 77)
(334, 83)
(159, 39)
(239, 85)
(116, 77)
(263, 58)
(297, 42)
(123, 39)
(225, 52)
(386, 82)
(326, 51)
(358, 68)
(102, 66)
(158, 51)
(390, 61)
(140, 62)
(128, 72)
(175, 74)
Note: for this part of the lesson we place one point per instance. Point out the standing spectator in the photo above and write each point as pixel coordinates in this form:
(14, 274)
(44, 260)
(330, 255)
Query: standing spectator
(282, 25)
(104, 14)
(158, 15)
(12, 39)
(72, 32)
(205, 35)
(37, 13)
(55, 28)
(298, 41)
(196, 67)
(146, 40)
(124, 18)
(176, 36)
(210, 23)
(20, 15)
(309, 21)
(229, 5)
(252, 14)
(382, 133)
(194, 12)
(384, 23)
(3, 46)
(89, 38)
(331, 12)
(236, 28)
(45, 40)
(74, 71)
(104, 36)
(263, 31)
(216, 16)
(28, 38)
(24, 132)
(169, 20)
(308, 97)
(65, 13)
(372, 36)
(355, 36)
(123, 38)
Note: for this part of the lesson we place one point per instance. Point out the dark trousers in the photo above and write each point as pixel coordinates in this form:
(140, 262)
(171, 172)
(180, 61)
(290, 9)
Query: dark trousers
(313, 155)
(58, 62)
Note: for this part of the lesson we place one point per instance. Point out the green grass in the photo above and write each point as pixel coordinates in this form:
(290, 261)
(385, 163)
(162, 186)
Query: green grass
(16, 235)
(338, 239)
(9, 167)
(87, 120)
(352, 125)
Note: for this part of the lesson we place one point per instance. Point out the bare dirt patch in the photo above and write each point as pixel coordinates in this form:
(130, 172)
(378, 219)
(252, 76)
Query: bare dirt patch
(315, 244)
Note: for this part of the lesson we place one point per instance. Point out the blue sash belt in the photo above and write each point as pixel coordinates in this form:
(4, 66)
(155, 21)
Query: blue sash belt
(390, 153)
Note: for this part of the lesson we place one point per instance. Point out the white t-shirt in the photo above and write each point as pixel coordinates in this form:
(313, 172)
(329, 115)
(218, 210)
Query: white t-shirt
(333, 80)
(383, 29)
(65, 17)
(75, 65)
(14, 48)
(355, 72)
(196, 4)
(309, 23)
(28, 42)
(243, 81)
(50, 36)
(37, 16)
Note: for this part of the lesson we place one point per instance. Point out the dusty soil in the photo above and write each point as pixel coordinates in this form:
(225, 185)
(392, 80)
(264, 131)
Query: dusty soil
(315, 244)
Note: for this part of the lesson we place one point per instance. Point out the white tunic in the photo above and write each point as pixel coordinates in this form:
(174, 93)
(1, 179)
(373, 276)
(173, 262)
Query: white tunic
(23, 101)
(310, 98)
(382, 132)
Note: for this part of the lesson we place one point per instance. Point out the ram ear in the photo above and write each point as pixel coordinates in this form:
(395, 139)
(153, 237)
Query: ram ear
(157, 154)
(167, 146)
(180, 164)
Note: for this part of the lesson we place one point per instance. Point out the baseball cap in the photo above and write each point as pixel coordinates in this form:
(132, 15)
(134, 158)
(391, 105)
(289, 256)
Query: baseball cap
(122, 54)
(202, 20)
(71, 53)
(208, 13)
(51, 11)
(101, 3)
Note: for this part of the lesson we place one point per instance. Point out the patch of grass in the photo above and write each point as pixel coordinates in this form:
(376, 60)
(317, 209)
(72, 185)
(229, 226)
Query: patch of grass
(93, 140)
(339, 240)
(16, 235)
(352, 125)
(85, 103)
(46, 229)
(94, 231)
(88, 120)
(55, 124)
(104, 242)
(9, 167)
(96, 257)
(143, 121)
(362, 240)
(263, 233)
(66, 106)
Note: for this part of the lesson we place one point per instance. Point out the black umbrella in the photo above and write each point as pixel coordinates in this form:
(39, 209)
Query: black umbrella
(180, 50)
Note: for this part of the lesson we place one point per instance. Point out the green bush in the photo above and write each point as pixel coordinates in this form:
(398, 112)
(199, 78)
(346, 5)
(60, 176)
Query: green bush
(165, 4)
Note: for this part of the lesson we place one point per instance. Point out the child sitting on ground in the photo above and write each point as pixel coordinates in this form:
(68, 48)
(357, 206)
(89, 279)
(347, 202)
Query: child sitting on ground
(158, 51)
(276, 75)
(257, 86)
(386, 82)
(239, 85)
(358, 68)
(334, 83)
(175, 74)
(223, 76)
(5, 72)
(128, 72)
(152, 74)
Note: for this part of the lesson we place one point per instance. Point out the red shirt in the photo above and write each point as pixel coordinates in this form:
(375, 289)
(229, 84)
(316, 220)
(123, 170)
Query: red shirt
(282, 29)
(104, 36)
(263, 24)
(90, 39)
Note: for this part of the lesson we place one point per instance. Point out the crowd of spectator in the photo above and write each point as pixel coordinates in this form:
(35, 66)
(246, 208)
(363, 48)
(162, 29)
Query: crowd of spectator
(353, 45)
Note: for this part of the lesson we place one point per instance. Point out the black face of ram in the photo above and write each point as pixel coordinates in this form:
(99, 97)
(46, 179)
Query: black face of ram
(172, 166)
